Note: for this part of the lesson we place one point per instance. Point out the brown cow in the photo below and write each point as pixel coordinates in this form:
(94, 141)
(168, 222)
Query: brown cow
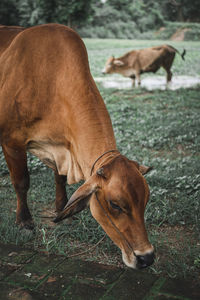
(136, 62)
(7, 34)
(50, 106)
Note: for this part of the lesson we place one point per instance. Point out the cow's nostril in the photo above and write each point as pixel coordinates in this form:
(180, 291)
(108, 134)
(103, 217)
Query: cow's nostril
(144, 261)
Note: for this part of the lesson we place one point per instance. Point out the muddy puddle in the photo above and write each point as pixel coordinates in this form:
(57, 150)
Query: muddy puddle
(150, 83)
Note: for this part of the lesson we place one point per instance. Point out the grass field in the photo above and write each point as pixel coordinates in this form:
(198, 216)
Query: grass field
(159, 129)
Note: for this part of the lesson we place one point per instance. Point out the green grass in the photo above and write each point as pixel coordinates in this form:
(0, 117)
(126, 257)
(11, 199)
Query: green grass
(159, 129)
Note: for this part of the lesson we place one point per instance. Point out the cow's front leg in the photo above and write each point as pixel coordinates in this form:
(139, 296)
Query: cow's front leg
(133, 80)
(138, 78)
(17, 163)
(61, 195)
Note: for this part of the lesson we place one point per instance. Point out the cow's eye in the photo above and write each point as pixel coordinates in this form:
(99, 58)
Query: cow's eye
(115, 206)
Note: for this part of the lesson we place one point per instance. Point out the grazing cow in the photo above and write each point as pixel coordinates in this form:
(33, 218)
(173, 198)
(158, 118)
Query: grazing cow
(136, 62)
(50, 106)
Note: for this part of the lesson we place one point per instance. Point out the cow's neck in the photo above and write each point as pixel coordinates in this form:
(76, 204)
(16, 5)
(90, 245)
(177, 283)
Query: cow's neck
(94, 134)
(76, 159)
(86, 134)
(86, 156)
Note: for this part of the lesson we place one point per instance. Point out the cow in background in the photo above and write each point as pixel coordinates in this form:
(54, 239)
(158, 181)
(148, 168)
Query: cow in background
(137, 62)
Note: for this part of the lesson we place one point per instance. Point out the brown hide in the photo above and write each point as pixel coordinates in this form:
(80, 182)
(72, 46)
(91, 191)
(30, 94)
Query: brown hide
(136, 62)
(42, 108)
(7, 34)
(50, 106)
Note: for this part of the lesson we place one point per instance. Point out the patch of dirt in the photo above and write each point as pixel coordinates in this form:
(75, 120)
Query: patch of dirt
(46, 215)
(20, 294)
(143, 95)
(176, 236)
(160, 30)
(179, 34)
(177, 247)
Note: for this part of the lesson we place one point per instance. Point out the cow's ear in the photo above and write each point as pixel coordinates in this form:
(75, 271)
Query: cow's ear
(79, 200)
(144, 169)
(118, 62)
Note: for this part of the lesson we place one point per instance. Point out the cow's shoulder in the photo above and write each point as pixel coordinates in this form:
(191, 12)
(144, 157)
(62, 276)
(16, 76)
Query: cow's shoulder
(129, 58)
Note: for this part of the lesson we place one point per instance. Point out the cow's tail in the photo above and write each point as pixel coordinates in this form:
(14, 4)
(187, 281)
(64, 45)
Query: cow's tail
(183, 53)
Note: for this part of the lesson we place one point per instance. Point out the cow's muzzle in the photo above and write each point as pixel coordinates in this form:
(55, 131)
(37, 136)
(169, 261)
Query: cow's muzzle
(144, 261)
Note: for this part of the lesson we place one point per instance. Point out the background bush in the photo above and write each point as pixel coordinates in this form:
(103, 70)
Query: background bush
(124, 19)
(192, 30)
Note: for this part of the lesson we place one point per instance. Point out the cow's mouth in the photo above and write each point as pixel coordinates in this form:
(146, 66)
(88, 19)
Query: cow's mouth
(138, 261)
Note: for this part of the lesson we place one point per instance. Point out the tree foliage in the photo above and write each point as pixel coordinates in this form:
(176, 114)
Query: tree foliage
(33, 12)
(8, 12)
(69, 11)
(30, 12)
(180, 10)
(137, 15)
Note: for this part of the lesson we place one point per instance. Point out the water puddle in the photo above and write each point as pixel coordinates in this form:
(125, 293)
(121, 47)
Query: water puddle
(150, 83)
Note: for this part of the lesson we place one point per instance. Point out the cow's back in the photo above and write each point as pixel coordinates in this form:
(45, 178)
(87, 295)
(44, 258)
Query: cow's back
(149, 56)
(143, 58)
(7, 34)
(40, 63)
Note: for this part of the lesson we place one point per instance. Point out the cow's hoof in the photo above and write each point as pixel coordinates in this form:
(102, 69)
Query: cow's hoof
(28, 225)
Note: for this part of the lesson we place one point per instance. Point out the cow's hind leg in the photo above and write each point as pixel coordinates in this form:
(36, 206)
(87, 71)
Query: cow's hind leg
(61, 195)
(167, 66)
(169, 75)
(17, 163)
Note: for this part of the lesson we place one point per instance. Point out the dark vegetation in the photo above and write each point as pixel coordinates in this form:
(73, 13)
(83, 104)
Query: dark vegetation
(136, 19)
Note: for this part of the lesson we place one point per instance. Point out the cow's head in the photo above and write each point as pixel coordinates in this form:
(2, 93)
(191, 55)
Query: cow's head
(117, 194)
(112, 65)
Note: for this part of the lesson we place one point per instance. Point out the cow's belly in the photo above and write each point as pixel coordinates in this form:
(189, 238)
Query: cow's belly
(57, 157)
(128, 72)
